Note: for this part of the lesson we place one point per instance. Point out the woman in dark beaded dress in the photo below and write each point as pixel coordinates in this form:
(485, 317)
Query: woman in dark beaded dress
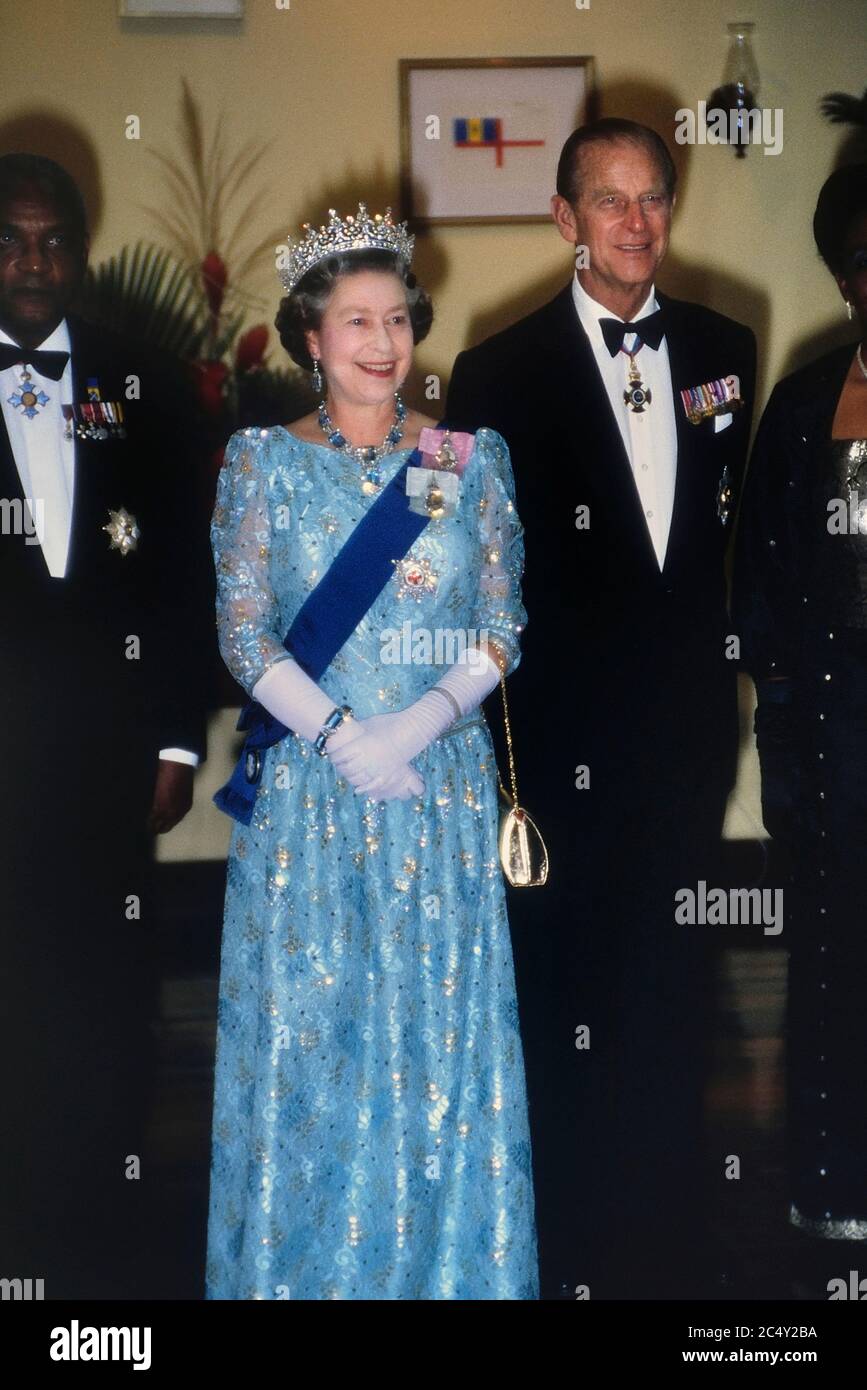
(801, 607)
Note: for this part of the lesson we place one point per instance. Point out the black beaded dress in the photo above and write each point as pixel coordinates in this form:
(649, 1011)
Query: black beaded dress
(800, 600)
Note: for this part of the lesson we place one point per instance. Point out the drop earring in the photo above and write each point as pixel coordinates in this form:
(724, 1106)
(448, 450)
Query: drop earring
(849, 309)
(317, 375)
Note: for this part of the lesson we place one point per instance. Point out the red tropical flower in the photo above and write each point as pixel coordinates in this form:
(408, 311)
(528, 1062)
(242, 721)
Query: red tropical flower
(210, 380)
(250, 348)
(215, 273)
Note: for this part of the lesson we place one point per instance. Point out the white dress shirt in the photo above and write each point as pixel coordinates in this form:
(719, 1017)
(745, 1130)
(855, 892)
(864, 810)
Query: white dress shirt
(649, 438)
(45, 459)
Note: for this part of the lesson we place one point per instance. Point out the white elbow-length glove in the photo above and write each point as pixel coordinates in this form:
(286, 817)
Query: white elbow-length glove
(376, 761)
(287, 692)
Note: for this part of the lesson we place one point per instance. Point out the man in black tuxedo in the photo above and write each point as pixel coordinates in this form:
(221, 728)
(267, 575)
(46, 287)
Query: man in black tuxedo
(100, 729)
(623, 710)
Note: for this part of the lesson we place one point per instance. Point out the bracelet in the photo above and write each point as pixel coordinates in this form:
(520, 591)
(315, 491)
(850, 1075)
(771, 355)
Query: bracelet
(334, 721)
(438, 690)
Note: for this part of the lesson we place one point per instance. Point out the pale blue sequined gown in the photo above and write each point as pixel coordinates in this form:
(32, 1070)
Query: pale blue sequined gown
(370, 1136)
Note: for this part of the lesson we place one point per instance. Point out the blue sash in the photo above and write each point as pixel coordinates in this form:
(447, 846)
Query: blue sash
(327, 619)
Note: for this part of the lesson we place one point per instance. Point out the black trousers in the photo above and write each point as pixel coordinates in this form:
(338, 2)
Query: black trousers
(614, 1000)
(76, 999)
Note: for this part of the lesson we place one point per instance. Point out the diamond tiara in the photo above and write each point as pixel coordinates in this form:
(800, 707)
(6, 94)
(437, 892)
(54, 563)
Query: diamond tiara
(358, 233)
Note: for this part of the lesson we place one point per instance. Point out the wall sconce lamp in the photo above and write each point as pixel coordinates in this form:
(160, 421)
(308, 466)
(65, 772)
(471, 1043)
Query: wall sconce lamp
(739, 88)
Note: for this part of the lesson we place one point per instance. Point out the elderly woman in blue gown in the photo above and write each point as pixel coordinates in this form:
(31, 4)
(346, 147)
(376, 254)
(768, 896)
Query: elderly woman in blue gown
(370, 1136)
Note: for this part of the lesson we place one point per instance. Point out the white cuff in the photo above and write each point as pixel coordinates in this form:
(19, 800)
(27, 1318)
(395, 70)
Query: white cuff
(180, 755)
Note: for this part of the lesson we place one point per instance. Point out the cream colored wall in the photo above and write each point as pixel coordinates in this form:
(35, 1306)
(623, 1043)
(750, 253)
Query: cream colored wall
(320, 79)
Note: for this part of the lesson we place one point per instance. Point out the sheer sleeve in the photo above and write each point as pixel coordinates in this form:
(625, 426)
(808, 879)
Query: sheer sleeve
(248, 619)
(499, 609)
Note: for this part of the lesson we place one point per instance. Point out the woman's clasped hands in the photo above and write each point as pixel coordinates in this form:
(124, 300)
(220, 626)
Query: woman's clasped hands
(374, 754)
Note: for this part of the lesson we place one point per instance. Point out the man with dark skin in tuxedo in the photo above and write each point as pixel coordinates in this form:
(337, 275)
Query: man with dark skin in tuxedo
(43, 257)
(101, 726)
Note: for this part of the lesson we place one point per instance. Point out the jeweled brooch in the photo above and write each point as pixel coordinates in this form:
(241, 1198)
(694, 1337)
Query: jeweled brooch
(415, 578)
(123, 530)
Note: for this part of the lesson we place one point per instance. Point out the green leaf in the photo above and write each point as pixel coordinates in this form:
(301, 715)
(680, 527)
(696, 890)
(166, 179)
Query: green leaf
(144, 293)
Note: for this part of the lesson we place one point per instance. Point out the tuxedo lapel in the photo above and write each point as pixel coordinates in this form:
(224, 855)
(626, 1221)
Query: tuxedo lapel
(85, 473)
(692, 361)
(96, 461)
(588, 421)
(682, 366)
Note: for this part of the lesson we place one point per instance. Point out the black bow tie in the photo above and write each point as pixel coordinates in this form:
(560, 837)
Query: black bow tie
(651, 330)
(50, 364)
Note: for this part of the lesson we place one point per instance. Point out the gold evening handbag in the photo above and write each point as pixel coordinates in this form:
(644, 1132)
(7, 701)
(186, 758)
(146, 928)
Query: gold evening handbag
(522, 850)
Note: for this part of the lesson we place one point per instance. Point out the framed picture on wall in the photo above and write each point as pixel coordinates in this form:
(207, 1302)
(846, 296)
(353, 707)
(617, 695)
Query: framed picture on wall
(181, 9)
(480, 137)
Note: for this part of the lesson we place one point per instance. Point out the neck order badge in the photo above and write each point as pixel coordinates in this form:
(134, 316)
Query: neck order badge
(28, 399)
(649, 331)
(637, 395)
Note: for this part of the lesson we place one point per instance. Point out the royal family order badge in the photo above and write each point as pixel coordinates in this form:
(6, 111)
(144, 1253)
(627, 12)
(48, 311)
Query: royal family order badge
(434, 489)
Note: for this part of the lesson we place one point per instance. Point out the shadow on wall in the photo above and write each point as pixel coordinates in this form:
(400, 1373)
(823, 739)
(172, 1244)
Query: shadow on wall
(39, 130)
(838, 331)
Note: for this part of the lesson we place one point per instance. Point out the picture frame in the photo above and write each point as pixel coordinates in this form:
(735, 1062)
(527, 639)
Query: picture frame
(181, 9)
(480, 137)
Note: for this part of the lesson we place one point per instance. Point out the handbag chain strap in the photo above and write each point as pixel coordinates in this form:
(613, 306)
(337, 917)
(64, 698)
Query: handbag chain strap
(512, 774)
